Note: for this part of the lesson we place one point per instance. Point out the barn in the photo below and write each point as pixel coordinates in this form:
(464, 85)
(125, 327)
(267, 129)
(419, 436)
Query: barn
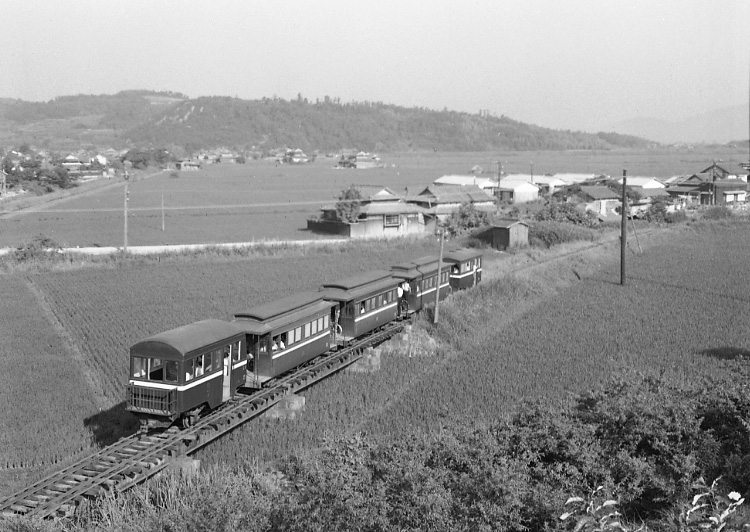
(507, 233)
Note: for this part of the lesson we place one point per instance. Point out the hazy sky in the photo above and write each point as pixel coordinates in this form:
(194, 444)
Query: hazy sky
(571, 64)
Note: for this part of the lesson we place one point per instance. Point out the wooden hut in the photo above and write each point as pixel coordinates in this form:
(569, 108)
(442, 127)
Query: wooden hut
(504, 234)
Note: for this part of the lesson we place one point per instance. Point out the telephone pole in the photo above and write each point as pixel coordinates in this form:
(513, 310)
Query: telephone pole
(441, 236)
(162, 208)
(623, 227)
(125, 211)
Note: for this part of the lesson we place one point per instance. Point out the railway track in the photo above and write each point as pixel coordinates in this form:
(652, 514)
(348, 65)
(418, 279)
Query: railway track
(136, 458)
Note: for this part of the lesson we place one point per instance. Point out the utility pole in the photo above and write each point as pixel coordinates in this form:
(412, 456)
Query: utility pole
(125, 211)
(623, 227)
(441, 236)
(162, 208)
(713, 183)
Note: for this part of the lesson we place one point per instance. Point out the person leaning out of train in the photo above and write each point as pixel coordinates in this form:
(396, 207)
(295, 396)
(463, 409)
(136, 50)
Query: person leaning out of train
(199, 366)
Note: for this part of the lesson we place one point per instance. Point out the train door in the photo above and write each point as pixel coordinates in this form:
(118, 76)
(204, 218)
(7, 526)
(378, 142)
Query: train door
(226, 393)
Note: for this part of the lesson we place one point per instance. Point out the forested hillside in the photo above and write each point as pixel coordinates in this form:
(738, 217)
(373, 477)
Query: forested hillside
(145, 118)
(329, 125)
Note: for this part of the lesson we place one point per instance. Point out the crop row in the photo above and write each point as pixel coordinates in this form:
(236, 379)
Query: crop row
(43, 410)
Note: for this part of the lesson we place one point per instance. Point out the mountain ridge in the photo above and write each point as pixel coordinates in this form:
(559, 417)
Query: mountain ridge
(156, 119)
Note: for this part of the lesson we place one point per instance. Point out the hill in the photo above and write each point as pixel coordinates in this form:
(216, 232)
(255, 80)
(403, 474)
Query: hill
(269, 123)
(719, 126)
(145, 118)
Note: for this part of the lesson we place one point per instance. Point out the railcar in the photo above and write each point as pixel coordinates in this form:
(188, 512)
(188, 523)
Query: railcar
(178, 373)
(466, 267)
(419, 283)
(284, 334)
(364, 303)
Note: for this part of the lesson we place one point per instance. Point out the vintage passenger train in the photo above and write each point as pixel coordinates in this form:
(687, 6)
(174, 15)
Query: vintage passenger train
(177, 374)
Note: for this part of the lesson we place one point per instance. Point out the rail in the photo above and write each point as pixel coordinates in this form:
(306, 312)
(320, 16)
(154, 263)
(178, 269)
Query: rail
(135, 458)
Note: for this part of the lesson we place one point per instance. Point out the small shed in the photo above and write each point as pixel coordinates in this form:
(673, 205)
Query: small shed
(507, 233)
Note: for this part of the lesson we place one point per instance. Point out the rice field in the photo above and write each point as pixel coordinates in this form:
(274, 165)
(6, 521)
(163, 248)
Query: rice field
(516, 339)
(261, 200)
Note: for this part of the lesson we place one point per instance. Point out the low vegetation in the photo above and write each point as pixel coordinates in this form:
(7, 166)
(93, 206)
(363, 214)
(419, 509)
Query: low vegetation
(42, 387)
(550, 233)
(621, 396)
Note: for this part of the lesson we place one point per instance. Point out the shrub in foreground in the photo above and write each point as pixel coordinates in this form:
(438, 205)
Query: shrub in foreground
(646, 442)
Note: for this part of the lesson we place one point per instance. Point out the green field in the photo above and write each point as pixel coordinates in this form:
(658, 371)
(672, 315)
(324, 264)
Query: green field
(262, 200)
(538, 336)
(682, 310)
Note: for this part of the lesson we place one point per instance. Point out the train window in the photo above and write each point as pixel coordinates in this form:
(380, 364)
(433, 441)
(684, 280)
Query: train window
(326, 323)
(236, 352)
(320, 324)
(189, 374)
(208, 358)
(307, 330)
(298, 334)
(140, 367)
(199, 366)
(156, 371)
(216, 359)
(170, 371)
(314, 326)
(362, 307)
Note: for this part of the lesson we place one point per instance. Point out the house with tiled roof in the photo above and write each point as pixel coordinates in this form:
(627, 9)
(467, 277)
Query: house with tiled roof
(487, 185)
(441, 201)
(600, 199)
(382, 213)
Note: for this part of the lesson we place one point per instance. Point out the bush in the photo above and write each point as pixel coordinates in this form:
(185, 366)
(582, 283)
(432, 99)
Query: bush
(40, 248)
(676, 217)
(548, 234)
(568, 213)
(717, 212)
(465, 219)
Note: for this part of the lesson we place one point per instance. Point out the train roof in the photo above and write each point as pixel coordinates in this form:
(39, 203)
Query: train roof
(269, 310)
(273, 315)
(462, 254)
(359, 285)
(417, 268)
(186, 339)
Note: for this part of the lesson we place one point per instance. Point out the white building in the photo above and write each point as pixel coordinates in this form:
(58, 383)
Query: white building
(517, 191)
(643, 182)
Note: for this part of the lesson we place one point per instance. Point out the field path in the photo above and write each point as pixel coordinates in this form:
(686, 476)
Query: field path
(45, 206)
(90, 375)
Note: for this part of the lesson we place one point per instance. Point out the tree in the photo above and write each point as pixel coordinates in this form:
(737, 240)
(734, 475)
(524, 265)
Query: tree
(467, 217)
(348, 207)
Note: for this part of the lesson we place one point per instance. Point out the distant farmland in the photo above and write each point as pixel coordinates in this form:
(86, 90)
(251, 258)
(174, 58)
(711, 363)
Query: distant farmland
(261, 200)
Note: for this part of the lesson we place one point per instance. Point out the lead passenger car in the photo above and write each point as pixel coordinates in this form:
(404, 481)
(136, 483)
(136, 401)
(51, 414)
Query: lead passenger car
(178, 373)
